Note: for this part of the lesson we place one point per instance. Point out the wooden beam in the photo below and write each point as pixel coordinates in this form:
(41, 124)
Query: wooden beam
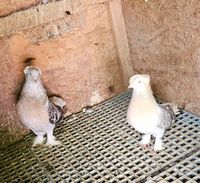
(121, 40)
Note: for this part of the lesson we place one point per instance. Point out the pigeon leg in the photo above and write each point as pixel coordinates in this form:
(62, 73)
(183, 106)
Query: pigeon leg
(158, 144)
(51, 139)
(145, 140)
(39, 139)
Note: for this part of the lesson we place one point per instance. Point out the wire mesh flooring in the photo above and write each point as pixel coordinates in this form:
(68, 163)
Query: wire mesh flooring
(100, 146)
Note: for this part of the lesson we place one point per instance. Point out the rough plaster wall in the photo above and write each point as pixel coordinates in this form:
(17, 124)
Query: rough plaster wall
(9, 125)
(164, 42)
(9, 6)
(80, 65)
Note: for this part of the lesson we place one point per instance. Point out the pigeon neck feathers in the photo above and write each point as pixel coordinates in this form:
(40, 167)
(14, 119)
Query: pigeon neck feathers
(144, 92)
(34, 90)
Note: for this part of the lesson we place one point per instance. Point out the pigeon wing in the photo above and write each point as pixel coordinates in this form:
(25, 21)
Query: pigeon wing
(167, 116)
(55, 113)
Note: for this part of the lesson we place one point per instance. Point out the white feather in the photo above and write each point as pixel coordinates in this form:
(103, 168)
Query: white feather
(144, 114)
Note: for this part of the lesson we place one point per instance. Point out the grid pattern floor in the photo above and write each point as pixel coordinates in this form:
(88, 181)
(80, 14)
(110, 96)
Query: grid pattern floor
(101, 147)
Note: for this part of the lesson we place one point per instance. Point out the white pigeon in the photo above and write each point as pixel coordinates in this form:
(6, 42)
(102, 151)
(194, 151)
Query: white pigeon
(35, 110)
(146, 115)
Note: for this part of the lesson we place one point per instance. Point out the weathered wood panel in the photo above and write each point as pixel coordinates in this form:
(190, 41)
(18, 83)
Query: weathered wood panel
(164, 42)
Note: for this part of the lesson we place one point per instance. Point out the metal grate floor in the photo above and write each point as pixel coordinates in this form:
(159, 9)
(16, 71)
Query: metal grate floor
(102, 147)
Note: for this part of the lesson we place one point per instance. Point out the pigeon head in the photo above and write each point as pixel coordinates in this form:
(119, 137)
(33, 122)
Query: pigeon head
(139, 82)
(32, 73)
